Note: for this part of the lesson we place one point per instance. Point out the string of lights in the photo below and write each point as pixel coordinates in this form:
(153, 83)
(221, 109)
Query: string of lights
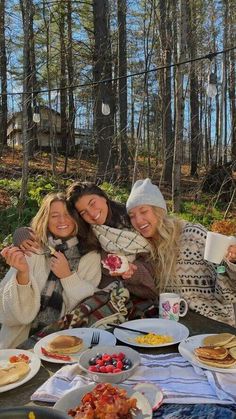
(208, 56)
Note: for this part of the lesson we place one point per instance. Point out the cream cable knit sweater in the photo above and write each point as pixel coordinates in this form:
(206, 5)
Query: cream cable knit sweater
(19, 304)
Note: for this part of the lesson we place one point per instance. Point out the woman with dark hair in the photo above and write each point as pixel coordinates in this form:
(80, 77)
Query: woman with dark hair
(94, 206)
(108, 221)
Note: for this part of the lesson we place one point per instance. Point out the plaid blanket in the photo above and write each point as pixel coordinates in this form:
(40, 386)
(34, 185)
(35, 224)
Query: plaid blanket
(112, 304)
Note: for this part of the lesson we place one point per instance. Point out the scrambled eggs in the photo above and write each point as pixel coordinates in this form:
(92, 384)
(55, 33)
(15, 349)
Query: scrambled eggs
(153, 339)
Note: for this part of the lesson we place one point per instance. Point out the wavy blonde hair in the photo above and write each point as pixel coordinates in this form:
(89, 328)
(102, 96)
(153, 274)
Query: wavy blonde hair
(39, 223)
(165, 249)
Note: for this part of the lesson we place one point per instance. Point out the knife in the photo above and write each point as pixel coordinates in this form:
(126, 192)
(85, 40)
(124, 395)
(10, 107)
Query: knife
(128, 328)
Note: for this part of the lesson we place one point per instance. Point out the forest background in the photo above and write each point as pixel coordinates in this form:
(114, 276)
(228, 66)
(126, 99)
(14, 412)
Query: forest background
(150, 82)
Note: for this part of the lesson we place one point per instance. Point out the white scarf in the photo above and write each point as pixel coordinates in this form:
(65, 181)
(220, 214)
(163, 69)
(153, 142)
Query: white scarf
(124, 242)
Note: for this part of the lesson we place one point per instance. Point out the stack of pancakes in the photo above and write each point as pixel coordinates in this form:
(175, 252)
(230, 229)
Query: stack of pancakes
(218, 350)
(65, 344)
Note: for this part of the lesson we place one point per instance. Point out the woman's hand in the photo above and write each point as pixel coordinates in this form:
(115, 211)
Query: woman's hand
(16, 258)
(30, 245)
(128, 274)
(60, 266)
(231, 254)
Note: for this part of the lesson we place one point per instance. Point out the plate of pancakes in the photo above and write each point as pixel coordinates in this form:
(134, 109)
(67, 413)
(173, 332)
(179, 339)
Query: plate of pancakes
(14, 374)
(215, 352)
(68, 344)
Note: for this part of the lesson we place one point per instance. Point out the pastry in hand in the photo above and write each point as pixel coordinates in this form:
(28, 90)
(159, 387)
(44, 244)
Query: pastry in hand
(116, 263)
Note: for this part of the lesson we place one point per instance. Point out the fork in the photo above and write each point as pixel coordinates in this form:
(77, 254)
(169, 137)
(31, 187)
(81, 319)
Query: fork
(95, 339)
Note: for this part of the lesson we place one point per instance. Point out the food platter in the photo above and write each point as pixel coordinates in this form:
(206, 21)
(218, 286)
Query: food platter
(34, 364)
(186, 349)
(73, 398)
(85, 333)
(171, 328)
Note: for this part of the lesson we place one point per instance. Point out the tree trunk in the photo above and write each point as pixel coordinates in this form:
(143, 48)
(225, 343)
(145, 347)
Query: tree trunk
(52, 132)
(63, 84)
(232, 81)
(103, 92)
(167, 132)
(3, 75)
(122, 53)
(179, 113)
(26, 103)
(70, 66)
(33, 82)
(194, 105)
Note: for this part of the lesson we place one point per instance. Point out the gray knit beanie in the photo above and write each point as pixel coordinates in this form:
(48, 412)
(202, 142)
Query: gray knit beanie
(144, 192)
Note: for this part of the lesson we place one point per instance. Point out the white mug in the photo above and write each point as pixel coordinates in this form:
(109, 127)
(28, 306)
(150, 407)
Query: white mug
(169, 306)
(216, 246)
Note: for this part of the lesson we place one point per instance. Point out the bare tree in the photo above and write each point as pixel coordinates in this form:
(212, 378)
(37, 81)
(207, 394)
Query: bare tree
(232, 79)
(122, 67)
(179, 109)
(70, 67)
(26, 6)
(166, 50)
(194, 104)
(3, 75)
(103, 91)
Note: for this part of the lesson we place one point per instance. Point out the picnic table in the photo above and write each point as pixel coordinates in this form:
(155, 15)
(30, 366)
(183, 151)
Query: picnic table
(196, 323)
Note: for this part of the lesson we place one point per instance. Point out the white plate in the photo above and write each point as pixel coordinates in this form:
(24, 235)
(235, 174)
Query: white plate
(73, 399)
(171, 328)
(187, 347)
(85, 333)
(34, 366)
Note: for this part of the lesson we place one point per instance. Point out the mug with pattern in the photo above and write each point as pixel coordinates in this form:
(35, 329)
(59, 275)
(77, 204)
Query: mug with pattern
(172, 306)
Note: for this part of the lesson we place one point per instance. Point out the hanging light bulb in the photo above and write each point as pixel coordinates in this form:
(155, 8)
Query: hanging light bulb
(212, 86)
(106, 110)
(36, 114)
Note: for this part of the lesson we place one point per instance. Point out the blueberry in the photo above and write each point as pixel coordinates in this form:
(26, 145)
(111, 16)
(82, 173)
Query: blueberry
(99, 356)
(108, 362)
(127, 362)
(126, 367)
(92, 361)
(114, 362)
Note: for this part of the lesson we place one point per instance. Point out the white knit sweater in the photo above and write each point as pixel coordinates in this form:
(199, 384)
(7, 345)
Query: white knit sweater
(19, 304)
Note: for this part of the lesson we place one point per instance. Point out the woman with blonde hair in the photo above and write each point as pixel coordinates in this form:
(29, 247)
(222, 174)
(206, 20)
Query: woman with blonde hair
(40, 288)
(178, 255)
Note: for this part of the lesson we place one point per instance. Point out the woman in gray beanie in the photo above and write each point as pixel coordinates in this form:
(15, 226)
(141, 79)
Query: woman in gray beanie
(178, 255)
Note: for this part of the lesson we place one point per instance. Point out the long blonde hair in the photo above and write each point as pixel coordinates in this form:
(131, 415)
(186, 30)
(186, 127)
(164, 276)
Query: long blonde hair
(39, 223)
(165, 249)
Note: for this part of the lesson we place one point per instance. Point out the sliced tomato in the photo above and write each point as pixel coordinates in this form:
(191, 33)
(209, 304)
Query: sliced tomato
(19, 358)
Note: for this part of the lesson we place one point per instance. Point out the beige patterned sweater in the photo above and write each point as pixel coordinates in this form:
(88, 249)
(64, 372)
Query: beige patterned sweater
(206, 292)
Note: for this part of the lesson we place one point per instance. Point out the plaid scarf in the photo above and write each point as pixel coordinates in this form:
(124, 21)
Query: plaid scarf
(51, 296)
(125, 242)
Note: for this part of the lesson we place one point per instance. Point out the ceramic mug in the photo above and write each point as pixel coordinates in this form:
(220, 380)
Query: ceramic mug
(169, 306)
(216, 246)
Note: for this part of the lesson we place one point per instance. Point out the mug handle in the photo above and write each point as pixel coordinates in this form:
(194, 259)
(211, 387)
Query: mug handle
(185, 307)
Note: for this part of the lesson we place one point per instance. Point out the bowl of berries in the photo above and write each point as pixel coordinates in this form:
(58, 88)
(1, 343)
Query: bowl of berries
(112, 364)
